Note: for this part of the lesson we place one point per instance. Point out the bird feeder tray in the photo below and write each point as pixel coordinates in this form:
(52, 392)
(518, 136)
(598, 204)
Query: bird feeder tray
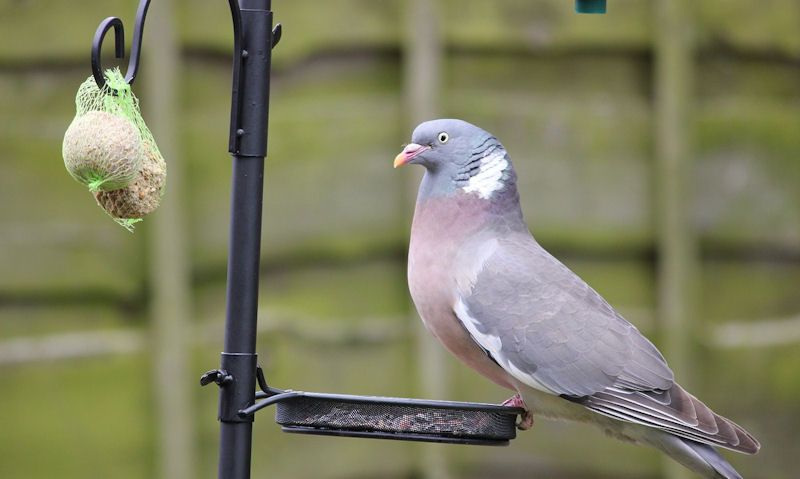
(394, 418)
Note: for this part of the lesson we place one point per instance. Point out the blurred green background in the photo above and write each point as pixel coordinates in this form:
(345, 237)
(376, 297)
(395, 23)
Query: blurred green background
(658, 149)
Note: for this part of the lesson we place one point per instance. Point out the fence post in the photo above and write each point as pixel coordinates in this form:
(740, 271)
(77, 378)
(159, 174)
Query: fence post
(422, 58)
(169, 271)
(676, 243)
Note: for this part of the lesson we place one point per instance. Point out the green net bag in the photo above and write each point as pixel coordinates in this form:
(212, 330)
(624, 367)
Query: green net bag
(109, 148)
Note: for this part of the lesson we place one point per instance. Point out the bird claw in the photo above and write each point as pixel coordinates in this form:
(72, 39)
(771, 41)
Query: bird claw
(525, 421)
(514, 401)
(526, 418)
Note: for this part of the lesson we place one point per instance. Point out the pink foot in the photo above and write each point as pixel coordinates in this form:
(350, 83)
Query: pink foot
(526, 419)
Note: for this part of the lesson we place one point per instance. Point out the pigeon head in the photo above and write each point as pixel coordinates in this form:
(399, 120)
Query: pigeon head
(436, 143)
(458, 157)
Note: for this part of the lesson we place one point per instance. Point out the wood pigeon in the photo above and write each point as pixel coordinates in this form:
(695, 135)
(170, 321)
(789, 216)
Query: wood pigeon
(507, 308)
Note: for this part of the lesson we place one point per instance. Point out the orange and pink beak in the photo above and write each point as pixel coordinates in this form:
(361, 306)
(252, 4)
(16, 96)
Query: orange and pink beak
(411, 151)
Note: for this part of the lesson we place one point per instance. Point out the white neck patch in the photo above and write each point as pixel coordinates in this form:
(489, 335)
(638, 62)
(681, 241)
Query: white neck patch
(489, 177)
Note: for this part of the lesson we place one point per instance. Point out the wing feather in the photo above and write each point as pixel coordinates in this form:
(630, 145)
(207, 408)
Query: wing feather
(537, 318)
(674, 410)
(551, 331)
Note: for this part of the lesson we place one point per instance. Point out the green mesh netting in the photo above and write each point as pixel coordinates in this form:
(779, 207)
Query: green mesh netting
(109, 148)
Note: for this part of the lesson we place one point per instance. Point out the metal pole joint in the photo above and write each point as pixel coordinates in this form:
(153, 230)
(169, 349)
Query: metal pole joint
(254, 38)
(237, 389)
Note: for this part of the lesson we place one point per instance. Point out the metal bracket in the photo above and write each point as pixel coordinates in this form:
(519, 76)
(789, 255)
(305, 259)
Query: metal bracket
(276, 35)
(233, 404)
(221, 378)
(236, 368)
(261, 380)
(240, 56)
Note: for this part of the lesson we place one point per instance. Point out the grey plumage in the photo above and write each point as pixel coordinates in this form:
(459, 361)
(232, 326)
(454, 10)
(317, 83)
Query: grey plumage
(509, 309)
(701, 458)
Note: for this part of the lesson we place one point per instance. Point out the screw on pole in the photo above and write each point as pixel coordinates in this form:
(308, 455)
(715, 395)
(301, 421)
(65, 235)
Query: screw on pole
(220, 377)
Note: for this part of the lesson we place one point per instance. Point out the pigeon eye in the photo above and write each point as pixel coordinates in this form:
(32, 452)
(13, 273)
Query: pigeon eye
(443, 137)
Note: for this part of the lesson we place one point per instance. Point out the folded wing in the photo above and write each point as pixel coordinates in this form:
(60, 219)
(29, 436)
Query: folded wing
(551, 331)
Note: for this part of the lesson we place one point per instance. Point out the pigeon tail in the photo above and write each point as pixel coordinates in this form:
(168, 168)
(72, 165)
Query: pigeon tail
(700, 458)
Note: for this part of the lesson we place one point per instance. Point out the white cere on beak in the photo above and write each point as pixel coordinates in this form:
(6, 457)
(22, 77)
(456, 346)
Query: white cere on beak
(490, 175)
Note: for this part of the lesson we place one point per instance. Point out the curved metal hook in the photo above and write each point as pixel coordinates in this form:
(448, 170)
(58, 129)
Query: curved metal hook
(119, 41)
(97, 44)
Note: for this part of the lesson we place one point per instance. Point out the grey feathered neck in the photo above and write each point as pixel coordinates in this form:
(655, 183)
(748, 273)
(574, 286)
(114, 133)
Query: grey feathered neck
(484, 169)
(487, 171)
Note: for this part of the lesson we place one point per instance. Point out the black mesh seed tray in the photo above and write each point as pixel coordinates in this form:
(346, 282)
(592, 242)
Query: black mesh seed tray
(395, 418)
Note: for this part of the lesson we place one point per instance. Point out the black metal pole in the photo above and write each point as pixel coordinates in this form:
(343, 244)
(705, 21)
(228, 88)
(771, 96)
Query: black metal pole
(249, 125)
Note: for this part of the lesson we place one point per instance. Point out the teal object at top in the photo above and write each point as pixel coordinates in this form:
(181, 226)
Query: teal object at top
(590, 6)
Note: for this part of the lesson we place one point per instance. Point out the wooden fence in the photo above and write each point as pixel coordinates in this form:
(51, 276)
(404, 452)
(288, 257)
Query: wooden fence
(658, 149)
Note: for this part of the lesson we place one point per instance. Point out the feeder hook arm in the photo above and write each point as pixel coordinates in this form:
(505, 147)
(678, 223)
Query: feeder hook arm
(119, 44)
